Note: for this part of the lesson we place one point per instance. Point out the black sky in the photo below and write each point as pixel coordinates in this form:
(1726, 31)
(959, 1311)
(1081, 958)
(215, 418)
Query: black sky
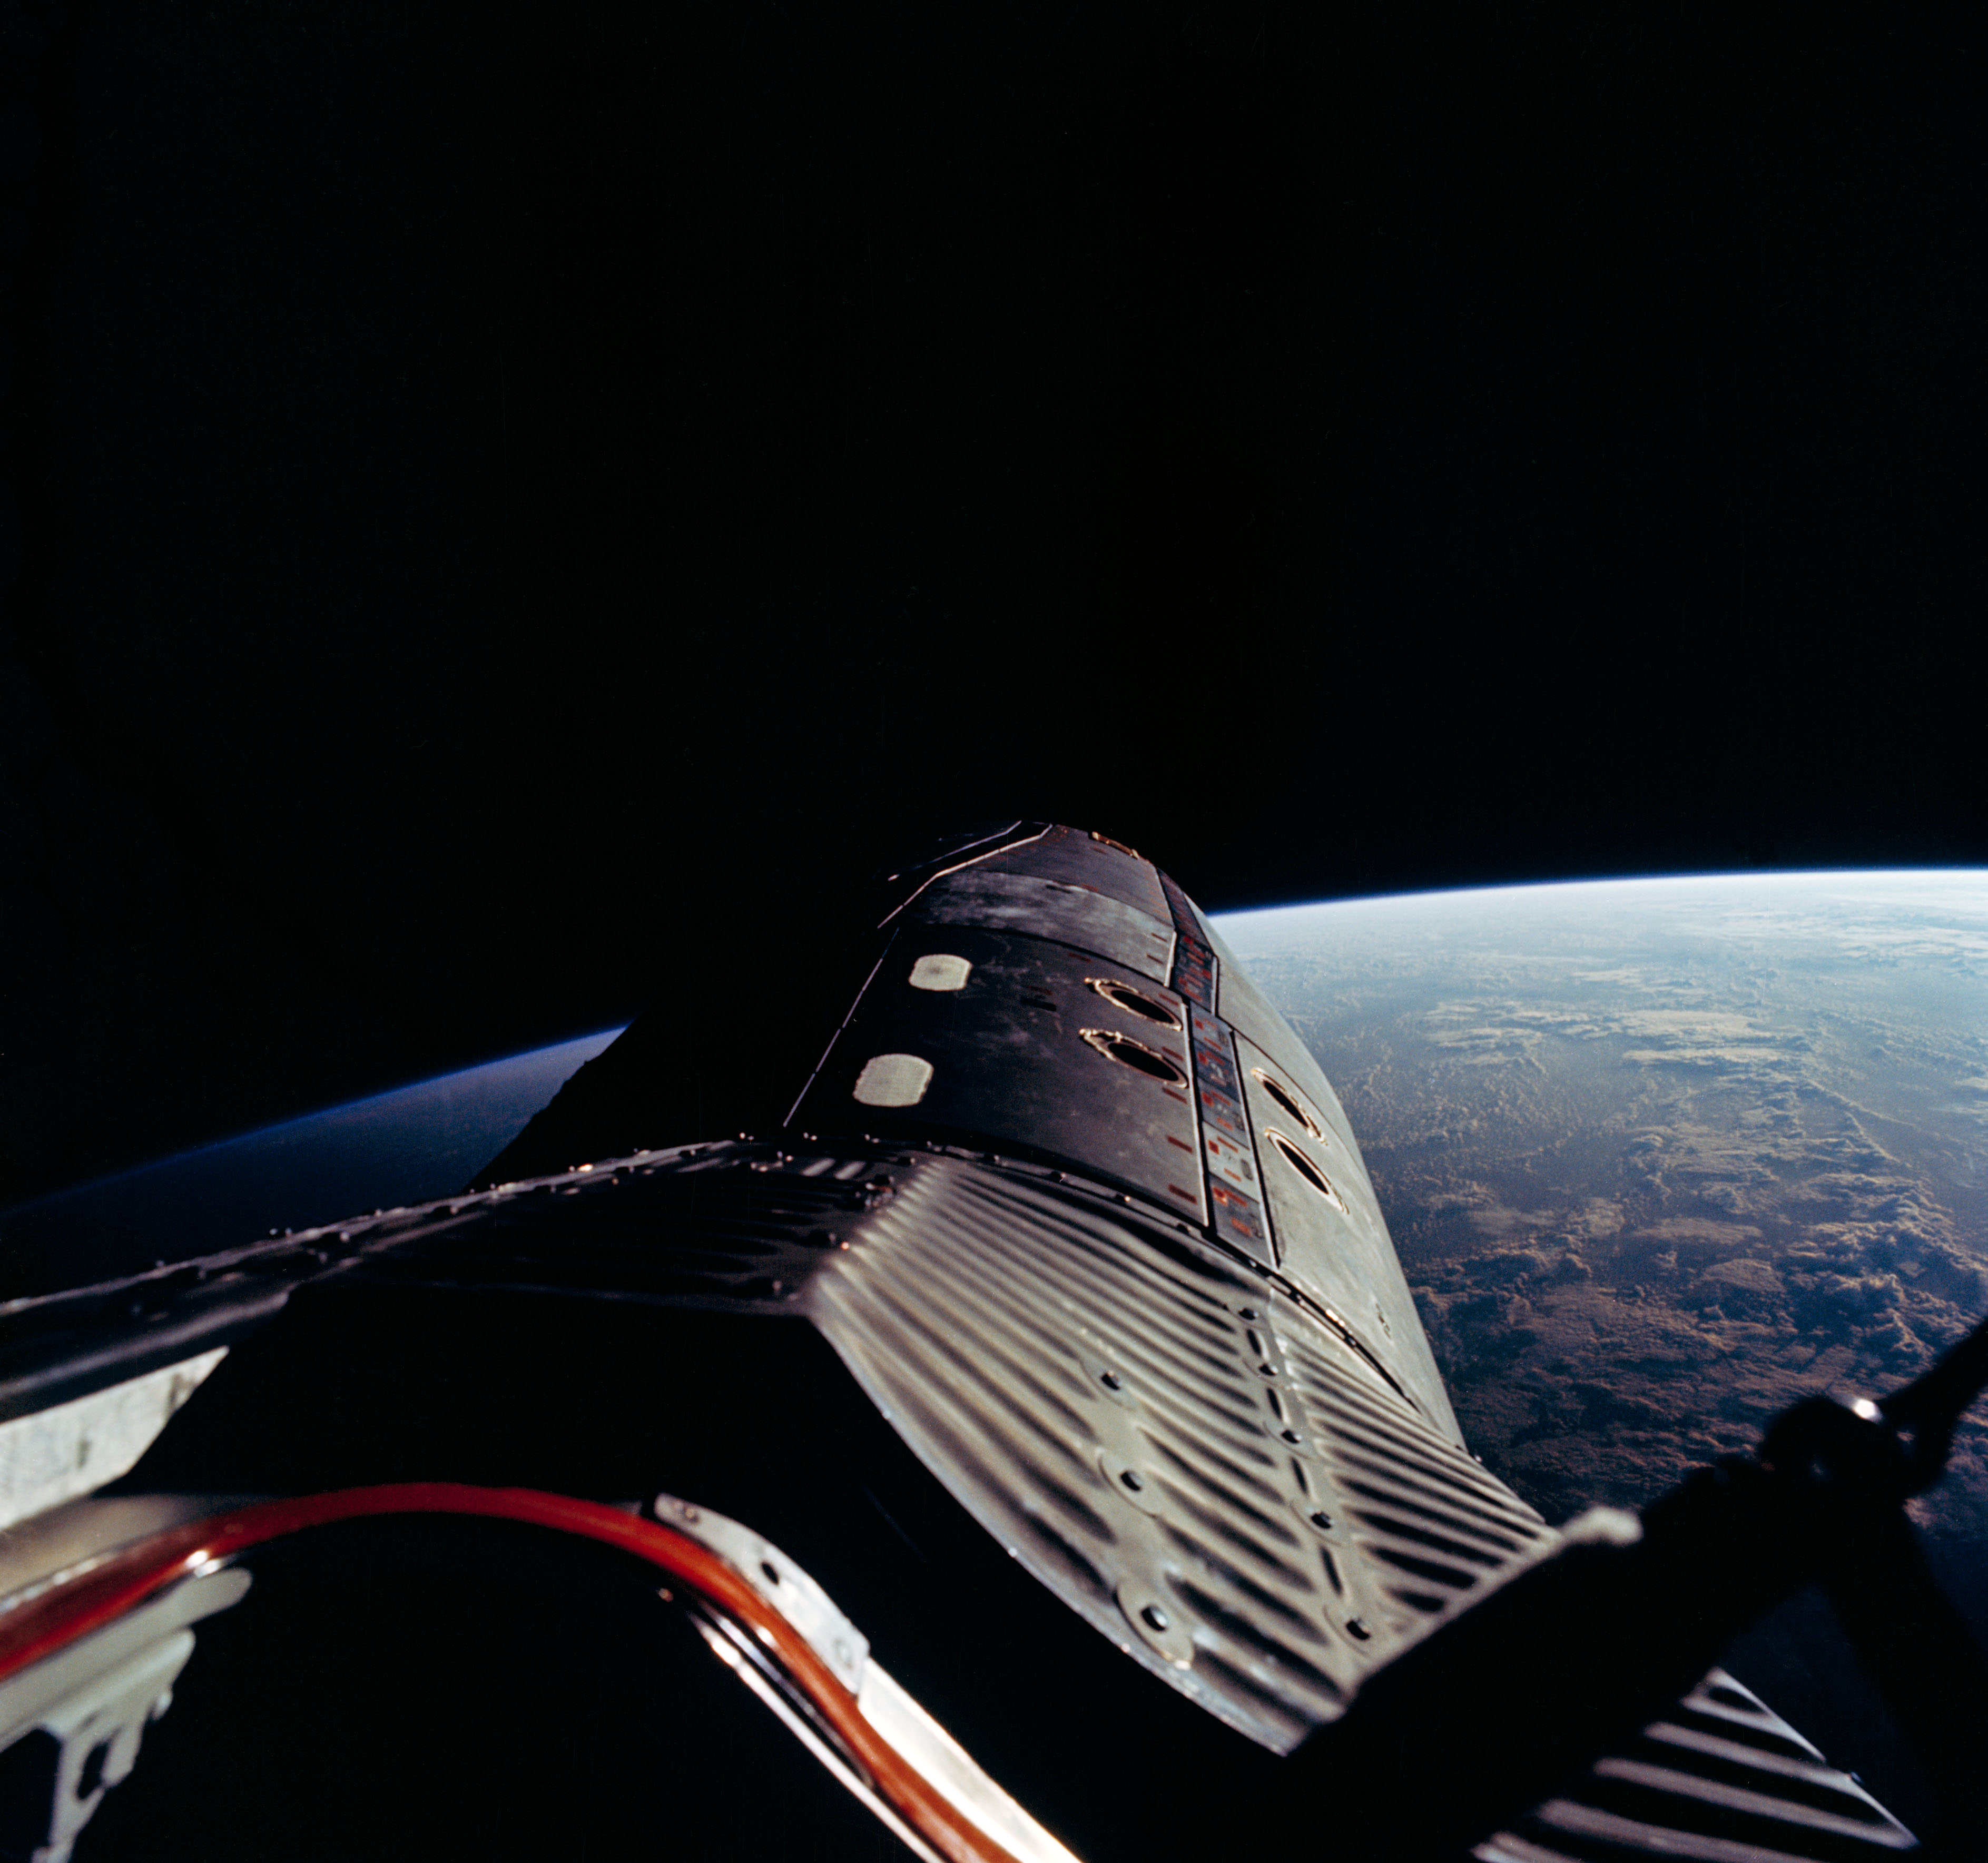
(503, 501)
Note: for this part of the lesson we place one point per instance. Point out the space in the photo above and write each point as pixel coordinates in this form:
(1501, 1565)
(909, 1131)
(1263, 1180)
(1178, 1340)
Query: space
(513, 519)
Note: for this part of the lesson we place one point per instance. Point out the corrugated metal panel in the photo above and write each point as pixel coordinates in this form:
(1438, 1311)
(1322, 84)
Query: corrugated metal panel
(1722, 1779)
(1187, 1456)
(1293, 1521)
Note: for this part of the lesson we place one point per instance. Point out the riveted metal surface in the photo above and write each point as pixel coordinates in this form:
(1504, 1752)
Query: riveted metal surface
(1332, 1241)
(1035, 1343)
(1076, 915)
(1413, 1506)
(1182, 1451)
(725, 1228)
(792, 1592)
(1033, 1346)
(1032, 1051)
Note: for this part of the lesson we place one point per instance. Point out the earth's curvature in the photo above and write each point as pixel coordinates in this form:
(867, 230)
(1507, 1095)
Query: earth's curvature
(1661, 1156)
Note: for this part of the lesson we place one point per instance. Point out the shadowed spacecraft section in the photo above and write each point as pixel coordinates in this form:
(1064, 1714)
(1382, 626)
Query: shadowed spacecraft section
(1019, 1390)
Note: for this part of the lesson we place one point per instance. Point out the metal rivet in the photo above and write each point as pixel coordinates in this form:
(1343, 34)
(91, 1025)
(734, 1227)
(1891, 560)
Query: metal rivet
(1111, 1381)
(1131, 1479)
(1322, 1520)
(1156, 1619)
(1356, 1627)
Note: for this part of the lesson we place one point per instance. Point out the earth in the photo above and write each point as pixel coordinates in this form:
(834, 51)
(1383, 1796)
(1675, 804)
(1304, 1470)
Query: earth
(1660, 1157)
(408, 1146)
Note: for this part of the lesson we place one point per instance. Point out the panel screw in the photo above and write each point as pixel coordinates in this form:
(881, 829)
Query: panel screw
(1356, 1627)
(1322, 1520)
(1156, 1619)
(1247, 1313)
(1290, 1435)
(1111, 1381)
(1131, 1479)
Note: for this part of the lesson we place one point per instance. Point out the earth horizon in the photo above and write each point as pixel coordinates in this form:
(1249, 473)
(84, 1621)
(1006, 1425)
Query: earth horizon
(1660, 1157)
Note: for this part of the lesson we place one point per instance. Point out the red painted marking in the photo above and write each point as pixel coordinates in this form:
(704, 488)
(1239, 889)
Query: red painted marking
(101, 1589)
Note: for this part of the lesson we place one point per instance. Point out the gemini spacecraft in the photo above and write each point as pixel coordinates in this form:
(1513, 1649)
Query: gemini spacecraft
(1005, 1435)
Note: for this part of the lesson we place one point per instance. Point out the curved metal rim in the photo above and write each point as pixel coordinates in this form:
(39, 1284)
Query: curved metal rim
(98, 1591)
(1103, 1040)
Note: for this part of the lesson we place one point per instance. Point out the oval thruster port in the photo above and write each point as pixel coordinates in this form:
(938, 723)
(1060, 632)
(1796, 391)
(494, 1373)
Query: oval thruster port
(939, 970)
(1124, 1048)
(893, 1080)
(1124, 996)
(1288, 1101)
(1305, 1169)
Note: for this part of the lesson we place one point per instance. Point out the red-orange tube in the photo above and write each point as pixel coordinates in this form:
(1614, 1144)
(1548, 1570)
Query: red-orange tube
(102, 1590)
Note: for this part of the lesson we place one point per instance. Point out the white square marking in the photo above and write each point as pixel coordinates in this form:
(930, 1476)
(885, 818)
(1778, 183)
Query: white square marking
(940, 970)
(893, 1080)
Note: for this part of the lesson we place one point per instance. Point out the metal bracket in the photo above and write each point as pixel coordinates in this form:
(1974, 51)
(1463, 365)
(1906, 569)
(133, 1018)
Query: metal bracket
(85, 1710)
(916, 1738)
